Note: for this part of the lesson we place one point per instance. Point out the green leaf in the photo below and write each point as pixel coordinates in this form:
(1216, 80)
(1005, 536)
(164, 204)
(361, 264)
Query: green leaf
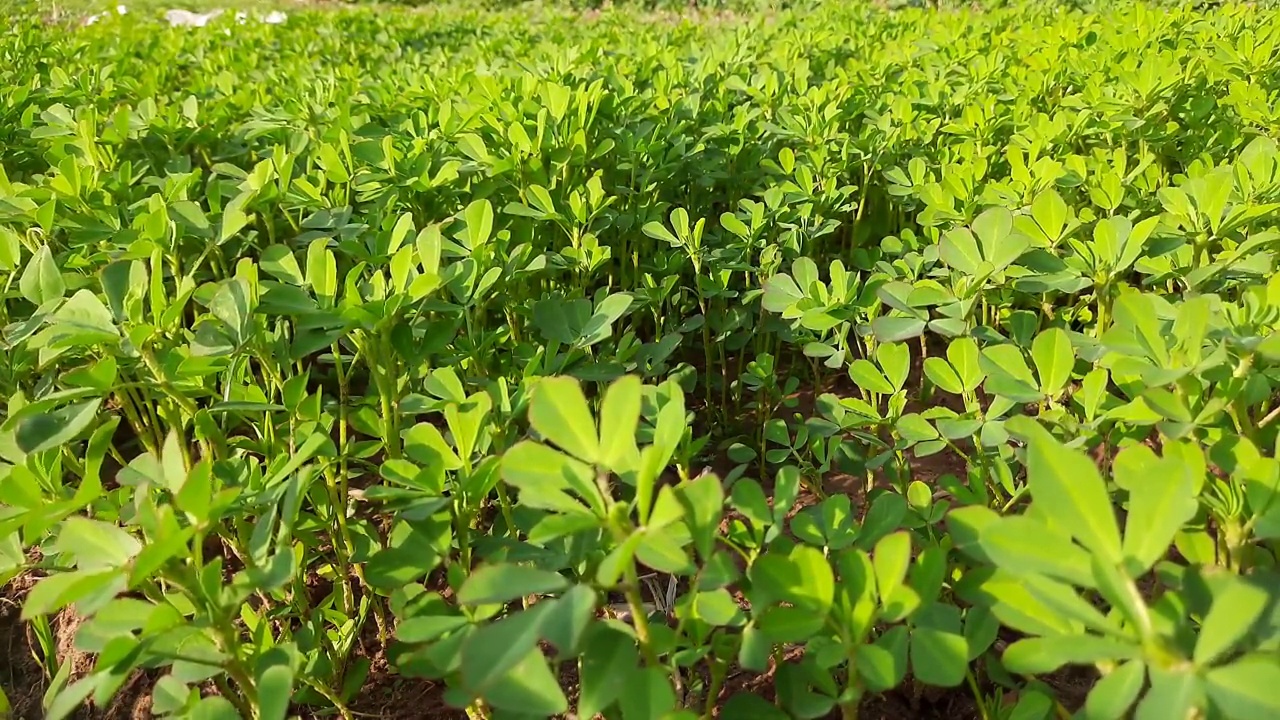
(501, 582)
(1037, 656)
(895, 359)
(1050, 213)
(42, 431)
(570, 616)
(55, 592)
(1236, 610)
(1115, 693)
(941, 373)
(493, 650)
(619, 418)
(543, 475)
(559, 413)
(804, 579)
(868, 377)
(280, 263)
(1068, 481)
(749, 706)
(1000, 245)
(648, 695)
(96, 545)
(663, 549)
(716, 607)
(608, 656)
(963, 355)
(891, 559)
(939, 657)
(1246, 688)
(1051, 351)
(479, 220)
(275, 692)
(1052, 553)
(914, 429)
(959, 250)
(84, 320)
(1008, 374)
(528, 688)
(1173, 694)
(41, 281)
(897, 329)
(1160, 503)
(234, 218)
(658, 231)
(214, 708)
(322, 270)
(334, 168)
(611, 568)
(883, 664)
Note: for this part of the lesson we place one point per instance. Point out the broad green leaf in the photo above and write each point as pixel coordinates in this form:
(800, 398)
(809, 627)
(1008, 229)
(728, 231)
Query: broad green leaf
(1054, 359)
(41, 281)
(1052, 553)
(1160, 503)
(1115, 693)
(1008, 374)
(529, 687)
(559, 413)
(570, 616)
(1235, 612)
(493, 650)
(502, 582)
(648, 695)
(959, 250)
(42, 431)
(1246, 688)
(938, 657)
(963, 355)
(96, 545)
(658, 231)
(941, 373)
(1173, 694)
(479, 221)
(543, 475)
(275, 690)
(1000, 244)
(802, 578)
(280, 263)
(897, 329)
(1068, 481)
(1050, 213)
(895, 359)
(868, 377)
(890, 560)
(882, 665)
(619, 418)
(1037, 656)
(608, 656)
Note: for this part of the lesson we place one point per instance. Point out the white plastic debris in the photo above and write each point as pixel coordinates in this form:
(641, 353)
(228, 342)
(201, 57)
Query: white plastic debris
(275, 17)
(122, 10)
(185, 18)
(92, 19)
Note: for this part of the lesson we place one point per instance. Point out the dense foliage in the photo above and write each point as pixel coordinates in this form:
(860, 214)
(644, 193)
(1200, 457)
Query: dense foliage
(602, 356)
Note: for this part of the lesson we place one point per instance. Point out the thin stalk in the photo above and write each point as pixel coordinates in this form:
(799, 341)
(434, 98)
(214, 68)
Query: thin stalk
(978, 698)
(718, 672)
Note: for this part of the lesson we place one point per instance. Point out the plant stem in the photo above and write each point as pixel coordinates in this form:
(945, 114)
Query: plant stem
(718, 672)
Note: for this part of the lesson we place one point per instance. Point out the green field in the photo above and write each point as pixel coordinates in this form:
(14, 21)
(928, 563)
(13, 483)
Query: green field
(644, 362)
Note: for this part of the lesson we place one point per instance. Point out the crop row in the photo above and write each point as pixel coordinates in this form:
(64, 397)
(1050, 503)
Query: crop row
(875, 350)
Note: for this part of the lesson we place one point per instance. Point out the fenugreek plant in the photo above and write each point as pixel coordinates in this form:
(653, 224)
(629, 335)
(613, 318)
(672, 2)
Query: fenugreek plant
(599, 361)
